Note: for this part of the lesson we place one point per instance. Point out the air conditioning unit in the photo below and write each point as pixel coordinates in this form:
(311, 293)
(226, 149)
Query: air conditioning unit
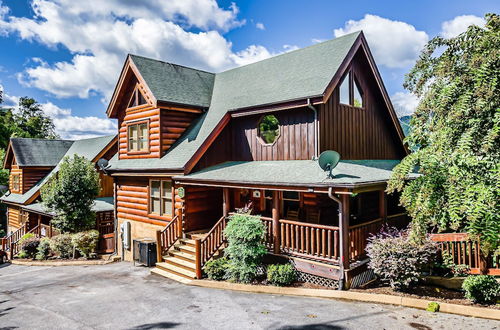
(145, 252)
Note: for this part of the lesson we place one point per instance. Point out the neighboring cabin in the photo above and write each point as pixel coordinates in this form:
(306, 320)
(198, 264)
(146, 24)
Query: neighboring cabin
(194, 146)
(32, 162)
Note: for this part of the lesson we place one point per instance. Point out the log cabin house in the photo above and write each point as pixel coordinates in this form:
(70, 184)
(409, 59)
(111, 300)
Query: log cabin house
(32, 162)
(195, 146)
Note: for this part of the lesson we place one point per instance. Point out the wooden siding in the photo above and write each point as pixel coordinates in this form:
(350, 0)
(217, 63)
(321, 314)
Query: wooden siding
(14, 217)
(202, 207)
(152, 115)
(28, 177)
(15, 170)
(172, 125)
(359, 133)
(106, 183)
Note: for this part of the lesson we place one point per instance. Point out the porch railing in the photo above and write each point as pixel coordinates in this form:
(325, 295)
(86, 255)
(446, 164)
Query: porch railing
(358, 237)
(167, 237)
(206, 248)
(309, 240)
(9, 243)
(464, 251)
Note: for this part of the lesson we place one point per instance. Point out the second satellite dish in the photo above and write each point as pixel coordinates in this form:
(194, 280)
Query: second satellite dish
(328, 160)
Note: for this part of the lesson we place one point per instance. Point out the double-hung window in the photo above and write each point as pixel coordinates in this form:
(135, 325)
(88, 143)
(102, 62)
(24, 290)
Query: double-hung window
(16, 182)
(160, 197)
(138, 137)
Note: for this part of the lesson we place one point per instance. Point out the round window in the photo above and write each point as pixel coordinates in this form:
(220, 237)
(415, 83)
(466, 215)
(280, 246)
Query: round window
(269, 129)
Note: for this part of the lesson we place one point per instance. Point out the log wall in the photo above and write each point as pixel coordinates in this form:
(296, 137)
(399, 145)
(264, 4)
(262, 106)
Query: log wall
(28, 177)
(202, 207)
(14, 217)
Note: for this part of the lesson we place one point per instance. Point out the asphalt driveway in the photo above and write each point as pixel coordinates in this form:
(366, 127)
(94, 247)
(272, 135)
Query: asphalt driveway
(120, 296)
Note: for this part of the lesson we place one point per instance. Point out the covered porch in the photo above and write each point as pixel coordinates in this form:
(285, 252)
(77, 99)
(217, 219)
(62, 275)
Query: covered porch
(321, 223)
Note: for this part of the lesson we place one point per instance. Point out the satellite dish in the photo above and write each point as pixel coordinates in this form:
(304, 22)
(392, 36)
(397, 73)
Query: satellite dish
(103, 164)
(328, 160)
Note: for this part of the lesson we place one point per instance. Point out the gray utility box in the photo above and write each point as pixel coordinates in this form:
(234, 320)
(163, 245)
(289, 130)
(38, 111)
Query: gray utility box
(145, 251)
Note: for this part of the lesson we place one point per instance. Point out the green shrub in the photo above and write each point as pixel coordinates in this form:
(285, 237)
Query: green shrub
(433, 307)
(43, 250)
(62, 246)
(445, 266)
(482, 289)
(29, 246)
(281, 275)
(399, 260)
(25, 237)
(86, 242)
(216, 268)
(245, 235)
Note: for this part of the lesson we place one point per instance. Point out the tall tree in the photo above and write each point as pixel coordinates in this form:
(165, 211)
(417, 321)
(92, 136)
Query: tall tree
(71, 194)
(32, 122)
(456, 137)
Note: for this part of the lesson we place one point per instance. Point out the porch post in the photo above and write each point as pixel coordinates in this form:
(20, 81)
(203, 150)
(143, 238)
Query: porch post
(344, 236)
(276, 222)
(382, 205)
(225, 202)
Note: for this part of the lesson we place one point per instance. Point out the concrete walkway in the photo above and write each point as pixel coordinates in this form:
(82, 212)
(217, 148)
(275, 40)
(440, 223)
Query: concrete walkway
(120, 296)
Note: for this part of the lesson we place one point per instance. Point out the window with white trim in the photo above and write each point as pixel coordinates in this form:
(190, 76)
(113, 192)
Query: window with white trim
(138, 137)
(160, 197)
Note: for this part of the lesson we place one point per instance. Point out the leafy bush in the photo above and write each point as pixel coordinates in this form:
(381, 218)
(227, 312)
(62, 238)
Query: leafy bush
(62, 245)
(245, 249)
(445, 266)
(43, 250)
(281, 275)
(482, 289)
(86, 242)
(25, 237)
(29, 246)
(399, 260)
(216, 268)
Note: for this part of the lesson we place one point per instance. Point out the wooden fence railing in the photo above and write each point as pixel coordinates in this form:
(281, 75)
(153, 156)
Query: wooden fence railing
(206, 248)
(167, 237)
(309, 240)
(358, 237)
(269, 239)
(467, 252)
(9, 243)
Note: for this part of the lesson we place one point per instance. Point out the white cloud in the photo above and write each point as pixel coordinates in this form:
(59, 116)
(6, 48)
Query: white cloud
(404, 103)
(99, 34)
(317, 41)
(459, 24)
(394, 44)
(260, 26)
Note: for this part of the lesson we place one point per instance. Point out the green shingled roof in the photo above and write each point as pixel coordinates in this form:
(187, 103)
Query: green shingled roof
(39, 152)
(175, 83)
(102, 204)
(298, 74)
(348, 173)
(88, 148)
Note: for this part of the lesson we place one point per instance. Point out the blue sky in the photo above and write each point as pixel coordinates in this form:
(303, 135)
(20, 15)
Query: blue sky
(67, 54)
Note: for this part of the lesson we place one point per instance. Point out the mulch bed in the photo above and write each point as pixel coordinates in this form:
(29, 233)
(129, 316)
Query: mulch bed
(427, 292)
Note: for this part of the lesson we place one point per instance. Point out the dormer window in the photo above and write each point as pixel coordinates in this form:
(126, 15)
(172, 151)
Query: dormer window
(136, 99)
(138, 137)
(350, 92)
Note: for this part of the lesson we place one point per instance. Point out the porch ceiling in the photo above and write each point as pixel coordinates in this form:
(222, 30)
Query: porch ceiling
(347, 174)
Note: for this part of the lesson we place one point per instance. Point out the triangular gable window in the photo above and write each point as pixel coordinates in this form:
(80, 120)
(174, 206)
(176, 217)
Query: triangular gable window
(136, 99)
(350, 91)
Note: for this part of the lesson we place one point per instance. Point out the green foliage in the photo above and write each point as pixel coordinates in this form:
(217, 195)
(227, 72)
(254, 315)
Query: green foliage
(281, 275)
(216, 268)
(394, 257)
(43, 250)
(455, 133)
(86, 242)
(482, 289)
(433, 307)
(71, 194)
(29, 246)
(447, 267)
(25, 237)
(245, 235)
(269, 128)
(32, 122)
(62, 246)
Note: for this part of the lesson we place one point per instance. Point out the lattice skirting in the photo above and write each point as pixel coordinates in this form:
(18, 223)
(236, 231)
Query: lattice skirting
(318, 280)
(362, 278)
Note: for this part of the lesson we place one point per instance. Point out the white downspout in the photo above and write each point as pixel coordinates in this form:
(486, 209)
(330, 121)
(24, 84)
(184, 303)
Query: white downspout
(341, 240)
(316, 144)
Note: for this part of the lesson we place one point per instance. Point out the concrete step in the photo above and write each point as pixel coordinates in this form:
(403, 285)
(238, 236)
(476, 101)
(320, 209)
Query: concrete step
(186, 248)
(181, 255)
(176, 270)
(172, 276)
(178, 262)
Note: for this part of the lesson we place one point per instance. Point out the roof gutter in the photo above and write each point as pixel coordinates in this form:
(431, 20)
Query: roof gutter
(316, 133)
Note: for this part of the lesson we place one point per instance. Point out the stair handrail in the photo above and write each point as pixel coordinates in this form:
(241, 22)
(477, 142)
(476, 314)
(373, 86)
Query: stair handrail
(167, 237)
(205, 248)
(13, 238)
